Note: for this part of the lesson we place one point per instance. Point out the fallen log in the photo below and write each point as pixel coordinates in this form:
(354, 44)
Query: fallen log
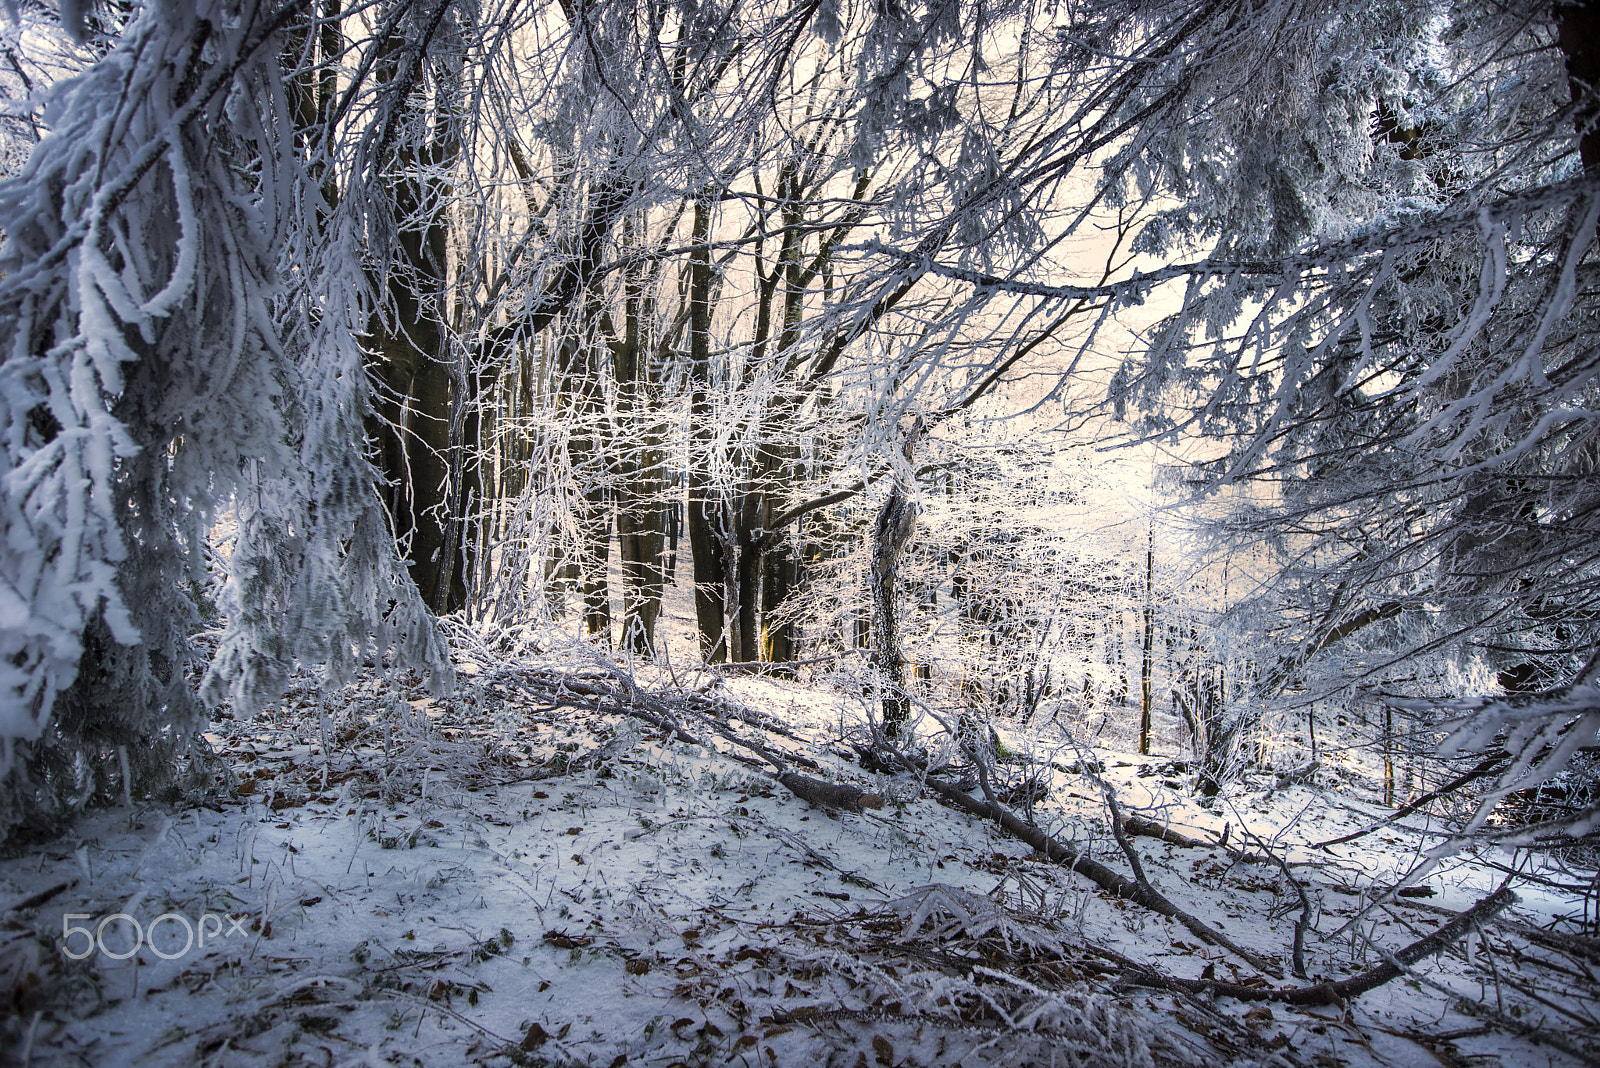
(829, 794)
(1144, 828)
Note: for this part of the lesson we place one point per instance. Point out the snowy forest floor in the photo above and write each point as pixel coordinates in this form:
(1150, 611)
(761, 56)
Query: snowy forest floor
(518, 874)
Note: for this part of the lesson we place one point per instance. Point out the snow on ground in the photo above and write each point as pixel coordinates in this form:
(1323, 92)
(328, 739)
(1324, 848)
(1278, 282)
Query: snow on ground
(499, 879)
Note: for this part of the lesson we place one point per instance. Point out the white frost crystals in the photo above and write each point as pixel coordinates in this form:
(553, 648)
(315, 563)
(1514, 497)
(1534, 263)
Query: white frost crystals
(145, 387)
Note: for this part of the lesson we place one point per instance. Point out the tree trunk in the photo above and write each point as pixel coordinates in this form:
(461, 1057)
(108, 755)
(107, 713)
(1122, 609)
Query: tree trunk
(896, 522)
(776, 568)
(1148, 644)
(640, 539)
(745, 595)
(596, 525)
(641, 509)
(709, 522)
(1578, 34)
(463, 498)
(588, 450)
(767, 568)
(1388, 755)
(414, 404)
(781, 577)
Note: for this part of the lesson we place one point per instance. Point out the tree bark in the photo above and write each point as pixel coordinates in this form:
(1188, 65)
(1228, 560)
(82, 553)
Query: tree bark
(1334, 993)
(891, 533)
(1578, 34)
(1148, 645)
(414, 404)
(589, 454)
(641, 508)
(708, 520)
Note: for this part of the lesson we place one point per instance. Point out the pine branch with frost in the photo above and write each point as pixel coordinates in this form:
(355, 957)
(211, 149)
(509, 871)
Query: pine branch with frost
(147, 386)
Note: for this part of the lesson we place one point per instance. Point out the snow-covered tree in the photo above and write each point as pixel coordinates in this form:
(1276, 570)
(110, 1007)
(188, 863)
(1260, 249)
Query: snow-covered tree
(1395, 331)
(167, 361)
(1376, 222)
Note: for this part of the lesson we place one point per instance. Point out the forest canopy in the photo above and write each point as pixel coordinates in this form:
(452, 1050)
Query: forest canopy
(327, 322)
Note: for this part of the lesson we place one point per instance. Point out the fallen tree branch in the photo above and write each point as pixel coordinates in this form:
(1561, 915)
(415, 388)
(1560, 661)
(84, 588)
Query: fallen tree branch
(556, 686)
(33, 901)
(1468, 1007)
(1143, 828)
(1568, 942)
(1329, 993)
(1108, 879)
(1491, 765)
(626, 698)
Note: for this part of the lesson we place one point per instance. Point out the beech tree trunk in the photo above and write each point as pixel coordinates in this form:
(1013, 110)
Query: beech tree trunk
(891, 533)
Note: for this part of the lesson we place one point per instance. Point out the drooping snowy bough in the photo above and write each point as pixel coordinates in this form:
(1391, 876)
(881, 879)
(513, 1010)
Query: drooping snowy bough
(162, 367)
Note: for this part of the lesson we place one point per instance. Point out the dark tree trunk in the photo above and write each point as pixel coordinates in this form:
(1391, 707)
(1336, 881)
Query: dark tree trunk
(1578, 33)
(596, 525)
(1147, 663)
(781, 577)
(416, 395)
(746, 595)
(641, 510)
(764, 567)
(769, 576)
(709, 521)
(639, 540)
(588, 451)
(463, 498)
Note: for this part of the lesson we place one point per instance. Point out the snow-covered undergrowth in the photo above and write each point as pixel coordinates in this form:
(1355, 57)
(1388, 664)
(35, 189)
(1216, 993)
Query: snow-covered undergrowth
(514, 875)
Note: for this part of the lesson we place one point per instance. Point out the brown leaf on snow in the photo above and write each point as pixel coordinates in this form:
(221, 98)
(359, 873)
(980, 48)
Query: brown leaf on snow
(536, 1037)
(883, 1049)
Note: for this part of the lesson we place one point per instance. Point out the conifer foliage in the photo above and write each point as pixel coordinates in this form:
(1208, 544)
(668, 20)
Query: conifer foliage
(147, 384)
